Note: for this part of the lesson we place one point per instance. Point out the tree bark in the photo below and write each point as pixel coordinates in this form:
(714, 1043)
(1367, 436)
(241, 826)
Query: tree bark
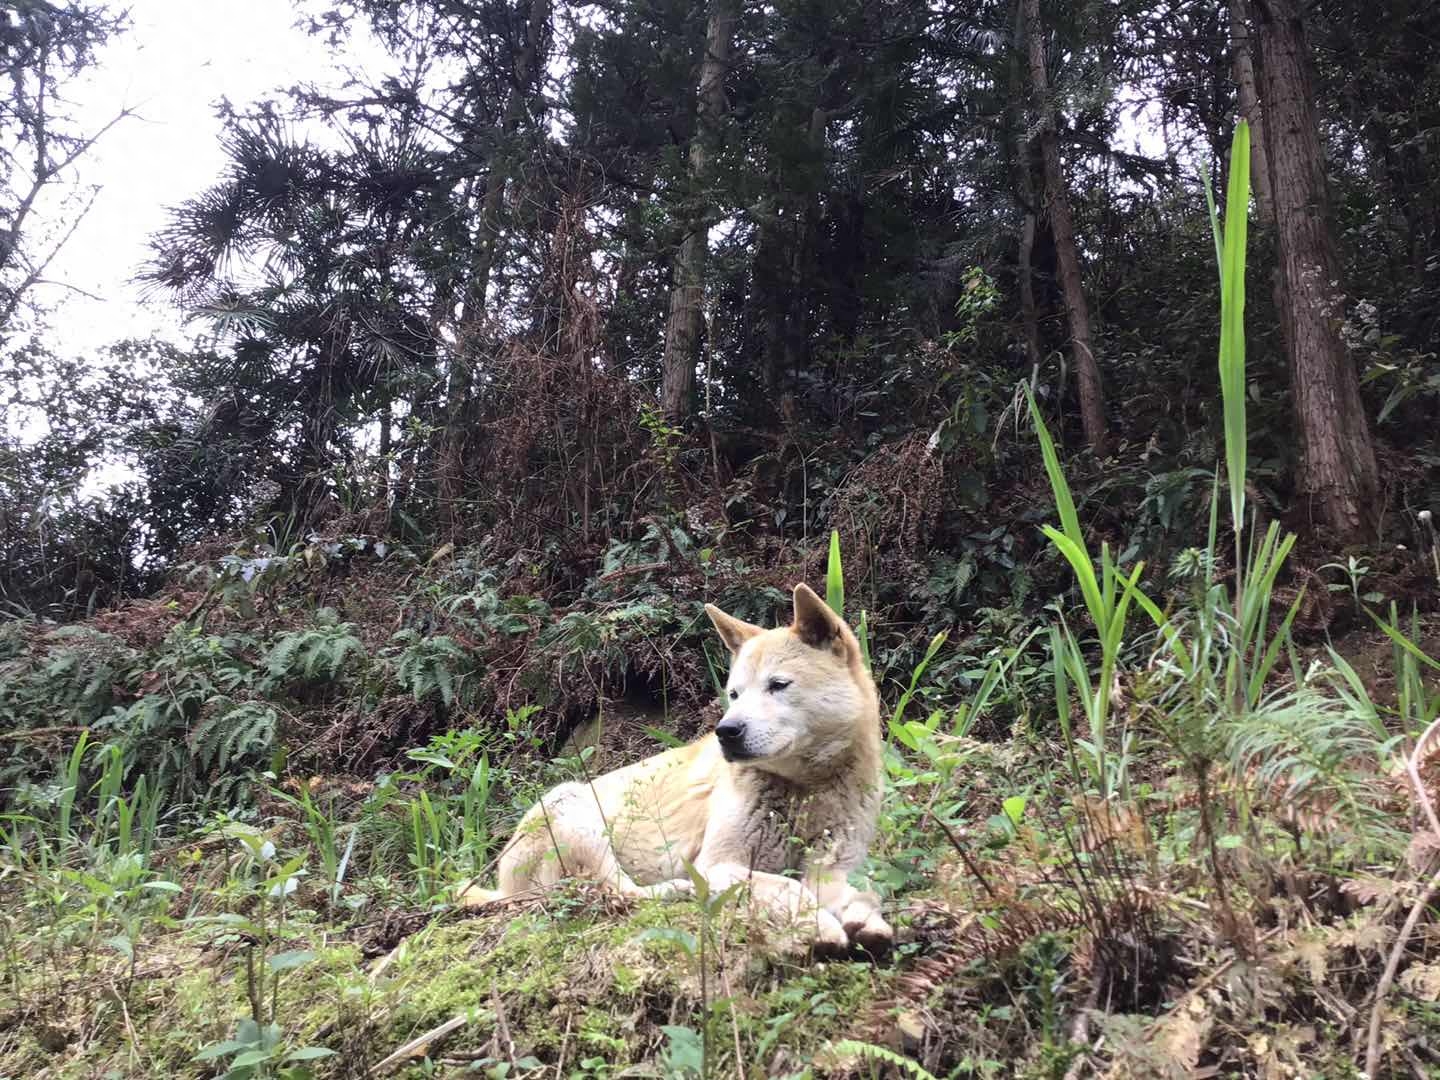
(1022, 164)
(1242, 67)
(1062, 226)
(1337, 458)
(683, 330)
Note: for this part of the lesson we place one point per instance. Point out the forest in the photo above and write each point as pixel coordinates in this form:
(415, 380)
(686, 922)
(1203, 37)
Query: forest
(1082, 354)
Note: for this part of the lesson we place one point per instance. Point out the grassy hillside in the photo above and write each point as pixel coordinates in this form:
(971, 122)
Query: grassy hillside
(1165, 826)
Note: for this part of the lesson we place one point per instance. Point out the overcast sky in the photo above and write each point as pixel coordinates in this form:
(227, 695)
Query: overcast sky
(176, 61)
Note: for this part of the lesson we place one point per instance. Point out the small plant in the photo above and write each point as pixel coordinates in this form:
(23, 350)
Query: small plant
(1107, 595)
(314, 655)
(431, 667)
(264, 883)
(259, 1051)
(665, 438)
(682, 1041)
(1355, 570)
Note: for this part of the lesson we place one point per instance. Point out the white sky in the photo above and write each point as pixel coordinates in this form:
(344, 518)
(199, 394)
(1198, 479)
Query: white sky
(177, 60)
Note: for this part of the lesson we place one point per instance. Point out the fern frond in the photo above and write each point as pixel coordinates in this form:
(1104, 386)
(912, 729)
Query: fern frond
(872, 1052)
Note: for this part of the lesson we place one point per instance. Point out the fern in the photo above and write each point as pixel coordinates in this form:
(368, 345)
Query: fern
(871, 1052)
(317, 654)
(1313, 752)
(246, 731)
(428, 666)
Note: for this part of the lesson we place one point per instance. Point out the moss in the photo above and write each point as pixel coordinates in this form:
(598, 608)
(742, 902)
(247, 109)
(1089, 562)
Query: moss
(577, 982)
(602, 987)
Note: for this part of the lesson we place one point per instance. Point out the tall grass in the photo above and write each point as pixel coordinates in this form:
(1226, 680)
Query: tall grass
(1221, 652)
(1107, 593)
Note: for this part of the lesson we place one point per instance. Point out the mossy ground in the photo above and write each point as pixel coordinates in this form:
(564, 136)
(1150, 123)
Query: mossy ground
(579, 985)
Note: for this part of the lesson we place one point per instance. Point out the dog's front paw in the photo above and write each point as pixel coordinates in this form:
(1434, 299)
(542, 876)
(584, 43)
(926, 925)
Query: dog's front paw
(865, 926)
(874, 936)
(668, 890)
(830, 938)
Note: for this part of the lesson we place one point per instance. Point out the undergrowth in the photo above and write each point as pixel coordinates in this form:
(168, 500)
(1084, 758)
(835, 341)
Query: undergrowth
(1155, 833)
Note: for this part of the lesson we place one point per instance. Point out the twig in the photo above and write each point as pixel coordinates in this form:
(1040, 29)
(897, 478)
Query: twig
(1412, 766)
(1080, 1026)
(965, 856)
(564, 1043)
(420, 1042)
(734, 1020)
(1207, 981)
(502, 1029)
(1392, 964)
(1372, 1047)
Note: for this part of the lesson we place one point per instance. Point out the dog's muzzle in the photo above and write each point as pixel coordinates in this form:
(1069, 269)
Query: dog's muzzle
(731, 734)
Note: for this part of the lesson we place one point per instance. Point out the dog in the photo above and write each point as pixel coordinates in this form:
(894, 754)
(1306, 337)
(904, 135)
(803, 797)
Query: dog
(783, 796)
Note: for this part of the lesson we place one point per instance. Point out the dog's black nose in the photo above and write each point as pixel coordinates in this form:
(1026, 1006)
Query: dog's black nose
(730, 732)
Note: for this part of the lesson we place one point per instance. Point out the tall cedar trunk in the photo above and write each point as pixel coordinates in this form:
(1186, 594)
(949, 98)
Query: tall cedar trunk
(1062, 226)
(462, 373)
(1242, 67)
(682, 333)
(1337, 458)
(1022, 153)
(1029, 314)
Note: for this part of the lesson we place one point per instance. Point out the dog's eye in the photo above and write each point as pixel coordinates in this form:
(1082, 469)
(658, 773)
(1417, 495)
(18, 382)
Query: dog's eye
(734, 695)
(776, 685)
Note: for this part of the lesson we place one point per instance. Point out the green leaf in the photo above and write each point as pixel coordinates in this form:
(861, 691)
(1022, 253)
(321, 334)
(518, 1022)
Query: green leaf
(835, 577)
(221, 1049)
(1404, 642)
(309, 1053)
(1060, 489)
(289, 961)
(123, 945)
(1014, 808)
(670, 936)
(1232, 321)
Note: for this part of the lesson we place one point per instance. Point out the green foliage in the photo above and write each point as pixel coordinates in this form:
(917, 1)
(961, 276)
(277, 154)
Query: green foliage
(835, 577)
(870, 1052)
(432, 667)
(315, 655)
(1107, 596)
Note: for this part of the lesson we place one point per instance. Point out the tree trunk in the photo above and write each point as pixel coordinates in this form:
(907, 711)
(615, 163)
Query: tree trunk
(1242, 67)
(1029, 314)
(462, 374)
(1022, 161)
(1337, 458)
(1062, 226)
(682, 333)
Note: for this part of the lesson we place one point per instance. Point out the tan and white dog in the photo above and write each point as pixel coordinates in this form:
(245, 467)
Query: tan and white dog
(783, 796)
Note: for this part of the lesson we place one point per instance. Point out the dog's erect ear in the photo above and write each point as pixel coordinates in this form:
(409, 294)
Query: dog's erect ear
(734, 632)
(814, 622)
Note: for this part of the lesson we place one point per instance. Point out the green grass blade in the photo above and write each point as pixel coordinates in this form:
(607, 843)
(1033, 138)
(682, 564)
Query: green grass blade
(1064, 503)
(1272, 654)
(1079, 561)
(1232, 320)
(835, 577)
(1394, 634)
